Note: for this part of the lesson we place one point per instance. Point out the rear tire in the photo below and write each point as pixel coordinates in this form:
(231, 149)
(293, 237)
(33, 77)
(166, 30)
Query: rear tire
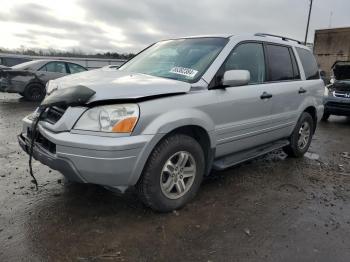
(34, 92)
(325, 116)
(301, 137)
(173, 173)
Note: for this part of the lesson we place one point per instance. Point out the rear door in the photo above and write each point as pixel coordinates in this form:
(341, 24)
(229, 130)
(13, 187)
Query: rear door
(286, 87)
(312, 82)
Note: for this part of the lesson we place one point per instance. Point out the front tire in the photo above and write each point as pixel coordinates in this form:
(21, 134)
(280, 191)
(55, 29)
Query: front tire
(34, 92)
(325, 116)
(173, 173)
(301, 137)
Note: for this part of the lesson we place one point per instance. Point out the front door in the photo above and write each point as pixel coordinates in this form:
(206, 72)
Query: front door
(242, 114)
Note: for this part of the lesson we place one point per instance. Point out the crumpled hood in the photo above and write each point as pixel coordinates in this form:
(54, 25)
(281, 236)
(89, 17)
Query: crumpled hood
(114, 84)
(341, 70)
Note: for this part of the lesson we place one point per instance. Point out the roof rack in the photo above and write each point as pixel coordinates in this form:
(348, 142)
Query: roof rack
(278, 36)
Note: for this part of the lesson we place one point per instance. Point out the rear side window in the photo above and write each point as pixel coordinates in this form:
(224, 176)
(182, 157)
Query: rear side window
(309, 64)
(280, 63)
(74, 68)
(248, 56)
(295, 65)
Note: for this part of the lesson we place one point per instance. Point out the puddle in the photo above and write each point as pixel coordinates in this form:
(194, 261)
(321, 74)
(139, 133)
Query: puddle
(312, 156)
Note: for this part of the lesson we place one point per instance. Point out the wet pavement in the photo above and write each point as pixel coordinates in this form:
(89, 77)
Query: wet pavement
(271, 209)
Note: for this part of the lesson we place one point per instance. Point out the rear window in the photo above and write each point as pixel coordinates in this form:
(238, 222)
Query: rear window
(280, 63)
(309, 64)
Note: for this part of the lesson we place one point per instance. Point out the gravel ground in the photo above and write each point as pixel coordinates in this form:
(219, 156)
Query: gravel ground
(270, 209)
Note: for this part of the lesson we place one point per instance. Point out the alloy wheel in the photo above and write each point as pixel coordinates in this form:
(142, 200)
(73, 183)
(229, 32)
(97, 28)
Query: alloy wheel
(304, 135)
(178, 175)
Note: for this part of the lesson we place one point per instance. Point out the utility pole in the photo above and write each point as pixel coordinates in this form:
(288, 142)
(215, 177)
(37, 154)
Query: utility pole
(308, 22)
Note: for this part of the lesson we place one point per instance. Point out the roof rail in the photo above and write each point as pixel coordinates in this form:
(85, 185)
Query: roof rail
(278, 36)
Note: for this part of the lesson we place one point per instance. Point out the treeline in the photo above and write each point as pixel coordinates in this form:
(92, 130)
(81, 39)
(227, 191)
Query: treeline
(72, 53)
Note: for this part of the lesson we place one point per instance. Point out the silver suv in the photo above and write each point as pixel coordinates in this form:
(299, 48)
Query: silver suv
(179, 109)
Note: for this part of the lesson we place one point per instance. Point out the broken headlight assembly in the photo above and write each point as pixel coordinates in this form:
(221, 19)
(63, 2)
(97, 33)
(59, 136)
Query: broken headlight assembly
(109, 118)
(50, 87)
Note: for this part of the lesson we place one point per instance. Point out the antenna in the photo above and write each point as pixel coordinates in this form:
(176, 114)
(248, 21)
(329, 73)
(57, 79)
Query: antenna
(330, 19)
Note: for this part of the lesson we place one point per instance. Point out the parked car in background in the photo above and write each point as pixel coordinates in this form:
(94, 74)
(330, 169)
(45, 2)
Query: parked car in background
(29, 79)
(12, 61)
(337, 94)
(177, 110)
(110, 67)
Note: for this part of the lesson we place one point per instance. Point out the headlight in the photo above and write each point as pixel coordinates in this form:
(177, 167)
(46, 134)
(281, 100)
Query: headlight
(50, 87)
(326, 91)
(109, 118)
(33, 115)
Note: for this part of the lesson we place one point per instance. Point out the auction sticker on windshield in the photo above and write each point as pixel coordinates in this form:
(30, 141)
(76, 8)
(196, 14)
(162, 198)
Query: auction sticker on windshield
(184, 71)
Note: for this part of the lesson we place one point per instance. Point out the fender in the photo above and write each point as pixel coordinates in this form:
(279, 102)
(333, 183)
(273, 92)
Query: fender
(169, 121)
(166, 123)
(312, 101)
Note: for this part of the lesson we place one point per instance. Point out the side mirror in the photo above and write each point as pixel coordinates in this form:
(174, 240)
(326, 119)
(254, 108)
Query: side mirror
(236, 78)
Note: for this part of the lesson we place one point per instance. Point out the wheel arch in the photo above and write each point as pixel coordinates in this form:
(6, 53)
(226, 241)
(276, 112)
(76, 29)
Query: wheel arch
(35, 82)
(202, 137)
(197, 132)
(313, 112)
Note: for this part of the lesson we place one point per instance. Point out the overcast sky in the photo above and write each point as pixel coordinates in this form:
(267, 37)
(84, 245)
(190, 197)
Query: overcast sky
(129, 25)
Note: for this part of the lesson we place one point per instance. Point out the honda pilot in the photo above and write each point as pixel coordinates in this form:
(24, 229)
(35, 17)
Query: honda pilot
(176, 111)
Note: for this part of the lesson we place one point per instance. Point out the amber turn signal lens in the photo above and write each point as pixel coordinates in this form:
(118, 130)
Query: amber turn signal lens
(125, 125)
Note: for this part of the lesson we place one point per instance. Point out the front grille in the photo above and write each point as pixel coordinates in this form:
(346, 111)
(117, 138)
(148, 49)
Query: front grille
(42, 141)
(342, 94)
(46, 144)
(53, 114)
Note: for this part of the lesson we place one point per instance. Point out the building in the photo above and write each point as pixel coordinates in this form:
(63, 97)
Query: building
(331, 45)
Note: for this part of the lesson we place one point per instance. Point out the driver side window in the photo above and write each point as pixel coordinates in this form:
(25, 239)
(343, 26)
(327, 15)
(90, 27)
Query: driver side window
(248, 56)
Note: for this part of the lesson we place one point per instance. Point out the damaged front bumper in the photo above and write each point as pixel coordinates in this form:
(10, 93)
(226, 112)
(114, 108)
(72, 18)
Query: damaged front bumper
(109, 161)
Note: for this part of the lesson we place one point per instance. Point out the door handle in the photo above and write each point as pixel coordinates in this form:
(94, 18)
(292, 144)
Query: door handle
(265, 95)
(302, 90)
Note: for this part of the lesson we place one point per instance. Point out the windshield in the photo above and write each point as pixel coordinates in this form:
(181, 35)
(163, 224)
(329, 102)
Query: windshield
(181, 59)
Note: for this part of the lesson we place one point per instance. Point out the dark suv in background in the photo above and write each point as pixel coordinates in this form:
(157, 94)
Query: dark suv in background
(12, 61)
(337, 94)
